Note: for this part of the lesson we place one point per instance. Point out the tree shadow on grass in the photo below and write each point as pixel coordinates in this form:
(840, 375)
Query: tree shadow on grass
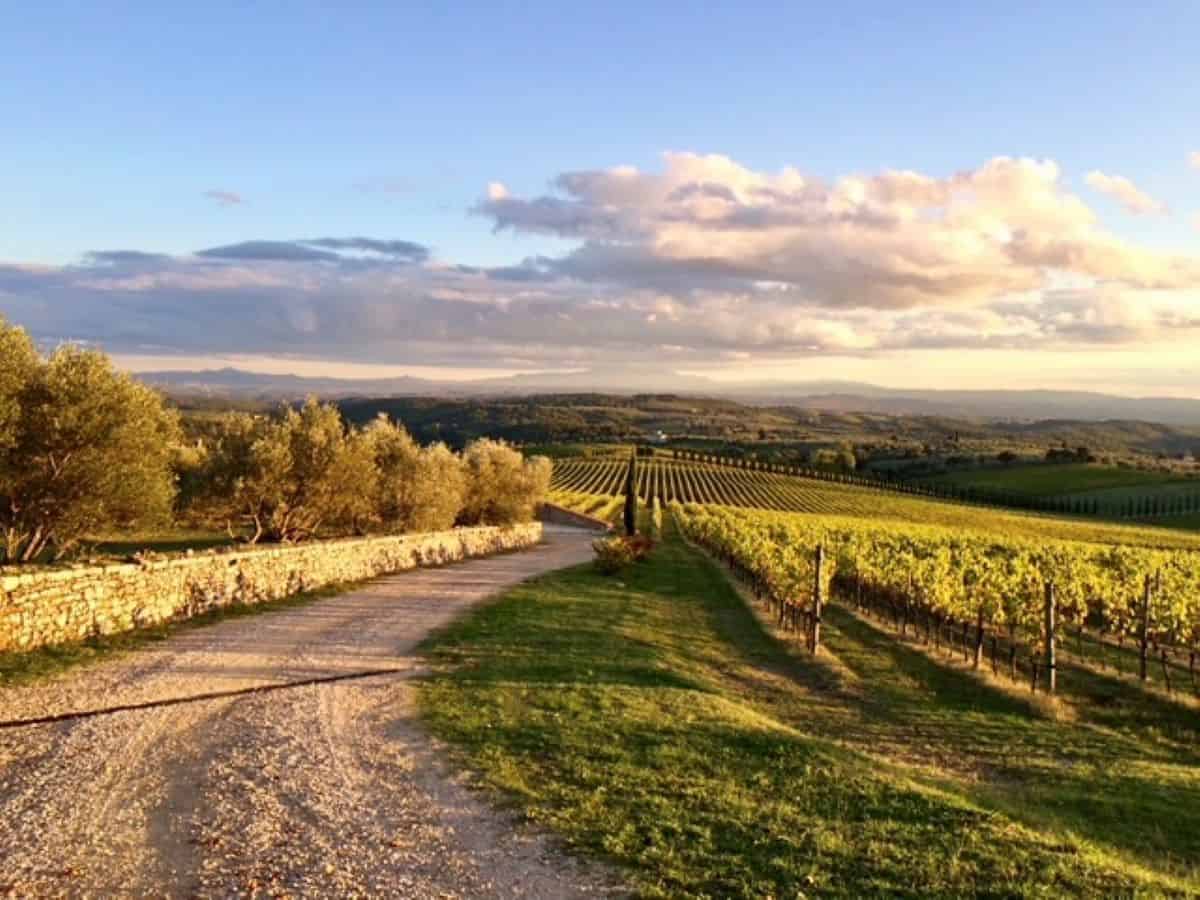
(654, 715)
(705, 798)
(997, 747)
(1113, 787)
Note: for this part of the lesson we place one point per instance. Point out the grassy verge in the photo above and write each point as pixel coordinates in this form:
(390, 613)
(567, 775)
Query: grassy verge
(175, 540)
(21, 668)
(651, 720)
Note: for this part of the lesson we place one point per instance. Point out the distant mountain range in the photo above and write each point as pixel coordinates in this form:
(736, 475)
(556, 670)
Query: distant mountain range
(835, 396)
(241, 382)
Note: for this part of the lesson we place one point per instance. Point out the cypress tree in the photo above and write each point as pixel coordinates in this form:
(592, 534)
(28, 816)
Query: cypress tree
(631, 497)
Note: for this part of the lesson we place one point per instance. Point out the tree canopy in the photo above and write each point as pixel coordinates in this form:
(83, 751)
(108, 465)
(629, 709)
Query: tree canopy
(307, 474)
(83, 448)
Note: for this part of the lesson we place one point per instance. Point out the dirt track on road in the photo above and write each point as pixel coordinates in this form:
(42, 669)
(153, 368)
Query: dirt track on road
(327, 790)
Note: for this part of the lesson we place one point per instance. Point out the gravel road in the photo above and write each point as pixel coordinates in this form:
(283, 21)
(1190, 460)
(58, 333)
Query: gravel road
(324, 790)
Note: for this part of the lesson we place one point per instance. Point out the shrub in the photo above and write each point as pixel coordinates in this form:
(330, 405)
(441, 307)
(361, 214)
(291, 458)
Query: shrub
(612, 555)
(639, 546)
(616, 553)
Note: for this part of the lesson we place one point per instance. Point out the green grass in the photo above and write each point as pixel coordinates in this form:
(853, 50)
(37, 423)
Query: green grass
(122, 544)
(175, 540)
(1046, 480)
(45, 662)
(651, 721)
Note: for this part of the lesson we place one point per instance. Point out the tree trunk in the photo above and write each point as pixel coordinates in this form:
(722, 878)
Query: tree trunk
(1051, 661)
(1012, 652)
(1144, 632)
(818, 598)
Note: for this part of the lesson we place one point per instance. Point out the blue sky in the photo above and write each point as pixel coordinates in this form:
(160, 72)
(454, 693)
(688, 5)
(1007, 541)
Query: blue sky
(389, 122)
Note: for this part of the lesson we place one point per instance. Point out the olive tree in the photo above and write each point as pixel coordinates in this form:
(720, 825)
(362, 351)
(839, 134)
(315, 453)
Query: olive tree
(83, 448)
(419, 488)
(221, 489)
(502, 486)
(291, 478)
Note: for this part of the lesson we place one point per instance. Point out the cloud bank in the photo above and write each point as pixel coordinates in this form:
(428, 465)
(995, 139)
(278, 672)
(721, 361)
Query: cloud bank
(223, 198)
(701, 261)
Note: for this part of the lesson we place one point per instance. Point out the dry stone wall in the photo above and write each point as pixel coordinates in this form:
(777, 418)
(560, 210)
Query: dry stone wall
(44, 607)
(554, 514)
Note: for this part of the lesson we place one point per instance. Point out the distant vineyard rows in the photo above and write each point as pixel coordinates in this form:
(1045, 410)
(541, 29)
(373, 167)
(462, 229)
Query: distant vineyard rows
(674, 481)
(1129, 506)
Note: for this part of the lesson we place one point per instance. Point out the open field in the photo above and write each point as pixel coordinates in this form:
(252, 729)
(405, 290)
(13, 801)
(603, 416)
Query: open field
(1111, 490)
(651, 719)
(578, 480)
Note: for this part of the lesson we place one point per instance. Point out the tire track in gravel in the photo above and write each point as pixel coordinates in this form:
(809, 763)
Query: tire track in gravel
(319, 790)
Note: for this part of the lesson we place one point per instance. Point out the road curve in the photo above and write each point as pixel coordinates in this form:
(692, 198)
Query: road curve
(319, 790)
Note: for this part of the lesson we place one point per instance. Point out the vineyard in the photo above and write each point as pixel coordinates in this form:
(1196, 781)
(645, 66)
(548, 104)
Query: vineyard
(594, 486)
(1014, 596)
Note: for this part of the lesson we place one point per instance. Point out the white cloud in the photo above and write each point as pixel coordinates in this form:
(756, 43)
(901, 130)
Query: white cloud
(898, 239)
(1126, 193)
(1194, 159)
(706, 257)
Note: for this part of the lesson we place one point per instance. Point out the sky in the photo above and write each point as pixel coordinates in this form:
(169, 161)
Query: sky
(916, 195)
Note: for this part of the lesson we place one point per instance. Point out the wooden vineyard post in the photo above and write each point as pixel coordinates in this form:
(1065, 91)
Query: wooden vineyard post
(979, 639)
(1051, 663)
(1144, 632)
(819, 559)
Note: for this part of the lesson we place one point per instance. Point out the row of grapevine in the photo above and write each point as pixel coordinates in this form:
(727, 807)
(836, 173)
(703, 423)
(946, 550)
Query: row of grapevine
(1147, 506)
(980, 583)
